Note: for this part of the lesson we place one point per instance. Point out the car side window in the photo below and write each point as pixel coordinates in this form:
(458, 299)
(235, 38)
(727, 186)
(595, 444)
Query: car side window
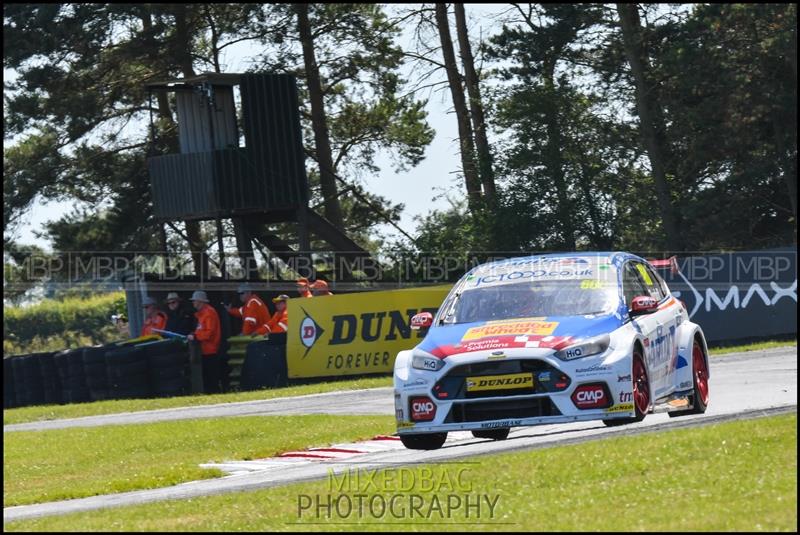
(660, 282)
(650, 281)
(632, 284)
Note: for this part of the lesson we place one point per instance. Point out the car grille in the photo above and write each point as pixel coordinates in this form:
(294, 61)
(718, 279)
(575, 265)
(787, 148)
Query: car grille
(546, 379)
(501, 409)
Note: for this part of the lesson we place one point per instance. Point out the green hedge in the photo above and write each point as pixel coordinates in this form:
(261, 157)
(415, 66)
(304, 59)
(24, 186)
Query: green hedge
(52, 322)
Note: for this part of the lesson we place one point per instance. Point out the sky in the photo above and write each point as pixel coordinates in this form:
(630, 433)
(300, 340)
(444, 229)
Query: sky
(426, 187)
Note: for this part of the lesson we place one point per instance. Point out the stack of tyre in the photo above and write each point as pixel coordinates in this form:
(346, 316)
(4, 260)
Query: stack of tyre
(72, 376)
(94, 367)
(51, 381)
(29, 387)
(127, 372)
(168, 368)
(9, 385)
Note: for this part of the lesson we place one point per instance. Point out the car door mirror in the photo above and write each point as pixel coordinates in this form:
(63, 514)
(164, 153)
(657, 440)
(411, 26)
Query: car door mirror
(421, 321)
(643, 304)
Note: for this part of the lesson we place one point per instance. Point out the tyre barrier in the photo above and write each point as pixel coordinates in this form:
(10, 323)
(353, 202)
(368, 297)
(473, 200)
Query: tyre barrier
(50, 378)
(134, 370)
(168, 368)
(264, 365)
(72, 375)
(127, 372)
(94, 366)
(9, 384)
(32, 391)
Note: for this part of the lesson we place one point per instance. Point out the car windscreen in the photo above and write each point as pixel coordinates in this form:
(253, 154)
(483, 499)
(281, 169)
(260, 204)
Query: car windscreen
(572, 297)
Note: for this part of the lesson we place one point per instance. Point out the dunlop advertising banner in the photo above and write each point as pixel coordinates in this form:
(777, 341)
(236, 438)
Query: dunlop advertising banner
(357, 333)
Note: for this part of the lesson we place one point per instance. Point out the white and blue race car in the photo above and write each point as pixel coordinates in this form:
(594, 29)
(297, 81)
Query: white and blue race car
(550, 339)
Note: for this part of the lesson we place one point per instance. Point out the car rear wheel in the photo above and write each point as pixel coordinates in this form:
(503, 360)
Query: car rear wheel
(427, 441)
(493, 434)
(699, 397)
(641, 392)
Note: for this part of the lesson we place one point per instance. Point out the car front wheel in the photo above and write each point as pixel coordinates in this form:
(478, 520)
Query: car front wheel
(427, 441)
(493, 434)
(641, 392)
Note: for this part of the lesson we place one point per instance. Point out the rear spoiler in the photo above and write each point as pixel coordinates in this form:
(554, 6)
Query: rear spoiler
(670, 263)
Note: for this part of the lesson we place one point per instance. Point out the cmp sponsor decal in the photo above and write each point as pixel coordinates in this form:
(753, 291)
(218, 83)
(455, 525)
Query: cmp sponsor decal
(499, 382)
(516, 327)
(622, 407)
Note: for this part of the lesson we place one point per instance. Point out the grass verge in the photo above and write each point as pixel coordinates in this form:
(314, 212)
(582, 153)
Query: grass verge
(756, 346)
(43, 466)
(77, 410)
(726, 477)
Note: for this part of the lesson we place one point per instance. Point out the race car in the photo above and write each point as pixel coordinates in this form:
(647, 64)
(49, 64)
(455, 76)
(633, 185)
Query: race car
(550, 339)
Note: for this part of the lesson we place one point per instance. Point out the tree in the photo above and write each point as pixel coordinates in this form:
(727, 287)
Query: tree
(651, 126)
(465, 135)
(477, 115)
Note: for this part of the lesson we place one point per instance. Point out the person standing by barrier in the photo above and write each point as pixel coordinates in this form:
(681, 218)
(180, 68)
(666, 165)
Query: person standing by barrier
(320, 288)
(153, 317)
(279, 322)
(303, 288)
(209, 333)
(255, 314)
(179, 319)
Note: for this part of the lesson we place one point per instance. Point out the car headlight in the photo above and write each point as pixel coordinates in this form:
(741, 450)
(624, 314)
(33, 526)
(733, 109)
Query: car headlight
(585, 348)
(426, 363)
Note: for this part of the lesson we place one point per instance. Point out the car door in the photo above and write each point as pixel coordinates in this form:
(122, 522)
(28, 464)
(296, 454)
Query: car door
(661, 346)
(646, 324)
(671, 316)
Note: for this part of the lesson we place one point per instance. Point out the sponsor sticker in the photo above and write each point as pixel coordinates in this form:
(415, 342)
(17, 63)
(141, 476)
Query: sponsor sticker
(685, 384)
(589, 397)
(510, 328)
(544, 377)
(645, 275)
(591, 284)
(622, 407)
(422, 409)
(593, 369)
(500, 382)
(624, 378)
(416, 383)
(504, 423)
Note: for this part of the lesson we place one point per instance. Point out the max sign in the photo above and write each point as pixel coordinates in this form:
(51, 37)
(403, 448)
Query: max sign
(357, 333)
(739, 295)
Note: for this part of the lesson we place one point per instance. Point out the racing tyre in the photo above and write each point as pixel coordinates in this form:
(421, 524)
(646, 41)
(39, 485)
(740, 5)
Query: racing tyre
(641, 392)
(427, 441)
(699, 397)
(493, 434)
